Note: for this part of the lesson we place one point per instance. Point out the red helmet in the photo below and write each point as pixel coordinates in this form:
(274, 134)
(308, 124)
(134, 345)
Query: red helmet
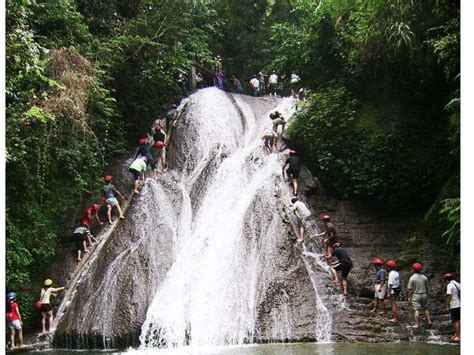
(159, 145)
(448, 276)
(325, 218)
(391, 264)
(376, 262)
(142, 141)
(157, 128)
(108, 178)
(417, 267)
(336, 245)
(292, 152)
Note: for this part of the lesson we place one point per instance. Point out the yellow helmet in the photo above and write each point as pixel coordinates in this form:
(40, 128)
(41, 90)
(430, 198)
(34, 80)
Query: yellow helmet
(48, 282)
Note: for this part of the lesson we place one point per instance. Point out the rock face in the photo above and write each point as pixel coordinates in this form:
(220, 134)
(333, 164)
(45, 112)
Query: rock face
(207, 253)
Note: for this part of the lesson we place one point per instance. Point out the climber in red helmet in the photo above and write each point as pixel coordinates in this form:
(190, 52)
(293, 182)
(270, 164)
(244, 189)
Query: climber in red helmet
(394, 289)
(452, 304)
(330, 233)
(418, 294)
(342, 264)
(380, 287)
(89, 213)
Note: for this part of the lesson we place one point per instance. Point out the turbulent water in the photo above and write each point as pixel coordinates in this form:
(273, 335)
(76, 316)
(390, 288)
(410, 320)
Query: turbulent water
(204, 258)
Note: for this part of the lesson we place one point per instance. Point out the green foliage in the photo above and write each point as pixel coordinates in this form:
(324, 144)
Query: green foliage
(451, 211)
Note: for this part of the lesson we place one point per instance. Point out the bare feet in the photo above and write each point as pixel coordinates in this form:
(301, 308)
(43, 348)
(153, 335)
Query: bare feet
(335, 282)
(415, 327)
(393, 320)
(122, 217)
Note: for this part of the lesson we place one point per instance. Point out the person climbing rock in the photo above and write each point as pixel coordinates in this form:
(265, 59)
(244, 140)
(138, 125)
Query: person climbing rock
(199, 81)
(138, 170)
(418, 294)
(278, 120)
(143, 150)
(236, 84)
(452, 304)
(268, 141)
(303, 213)
(293, 171)
(183, 83)
(46, 309)
(159, 153)
(110, 199)
(394, 288)
(82, 237)
(329, 233)
(159, 121)
(14, 321)
(272, 83)
(158, 135)
(342, 264)
(171, 117)
(254, 85)
(380, 287)
(89, 213)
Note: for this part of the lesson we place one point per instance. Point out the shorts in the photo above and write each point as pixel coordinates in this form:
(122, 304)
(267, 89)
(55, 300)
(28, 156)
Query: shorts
(380, 295)
(343, 268)
(419, 301)
(302, 222)
(112, 201)
(268, 141)
(292, 174)
(455, 314)
(46, 307)
(136, 174)
(14, 324)
(330, 241)
(78, 239)
(395, 293)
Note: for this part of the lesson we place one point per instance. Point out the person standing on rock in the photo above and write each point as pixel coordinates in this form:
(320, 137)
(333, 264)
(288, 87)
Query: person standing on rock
(329, 233)
(452, 304)
(394, 288)
(418, 295)
(82, 237)
(254, 85)
(14, 321)
(159, 152)
(171, 117)
(380, 286)
(236, 84)
(272, 83)
(46, 310)
(110, 199)
(303, 213)
(293, 172)
(342, 264)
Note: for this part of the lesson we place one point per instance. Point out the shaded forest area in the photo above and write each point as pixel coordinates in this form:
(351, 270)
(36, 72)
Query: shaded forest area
(85, 78)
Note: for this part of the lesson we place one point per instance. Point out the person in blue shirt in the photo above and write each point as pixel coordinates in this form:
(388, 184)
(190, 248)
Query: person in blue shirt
(380, 286)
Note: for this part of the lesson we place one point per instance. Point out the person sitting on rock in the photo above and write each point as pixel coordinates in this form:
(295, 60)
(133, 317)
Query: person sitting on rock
(303, 213)
(380, 287)
(329, 233)
(452, 304)
(293, 171)
(394, 288)
(342, 264)
(418, 295)
(110, 199)
(269, 141)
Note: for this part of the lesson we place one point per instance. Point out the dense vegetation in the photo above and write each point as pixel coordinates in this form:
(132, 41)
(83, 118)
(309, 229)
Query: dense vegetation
(85, 78)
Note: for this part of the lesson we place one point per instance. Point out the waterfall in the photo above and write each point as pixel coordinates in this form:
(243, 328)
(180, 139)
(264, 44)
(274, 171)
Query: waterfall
(204, 257)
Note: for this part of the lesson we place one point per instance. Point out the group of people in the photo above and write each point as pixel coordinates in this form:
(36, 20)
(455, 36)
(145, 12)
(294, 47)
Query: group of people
(260, 85)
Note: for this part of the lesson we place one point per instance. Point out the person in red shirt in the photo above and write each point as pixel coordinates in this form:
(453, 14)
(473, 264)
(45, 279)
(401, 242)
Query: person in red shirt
(89, 213)
(14, 319)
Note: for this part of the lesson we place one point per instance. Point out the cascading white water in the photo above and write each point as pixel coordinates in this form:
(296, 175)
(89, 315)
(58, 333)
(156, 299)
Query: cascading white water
(210, 294)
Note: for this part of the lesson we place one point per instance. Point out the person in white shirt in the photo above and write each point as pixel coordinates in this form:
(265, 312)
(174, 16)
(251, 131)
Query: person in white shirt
(394, 289)
(303, 213)
(453, 304)
(254, 85)
(294, 84)
(272, 83)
